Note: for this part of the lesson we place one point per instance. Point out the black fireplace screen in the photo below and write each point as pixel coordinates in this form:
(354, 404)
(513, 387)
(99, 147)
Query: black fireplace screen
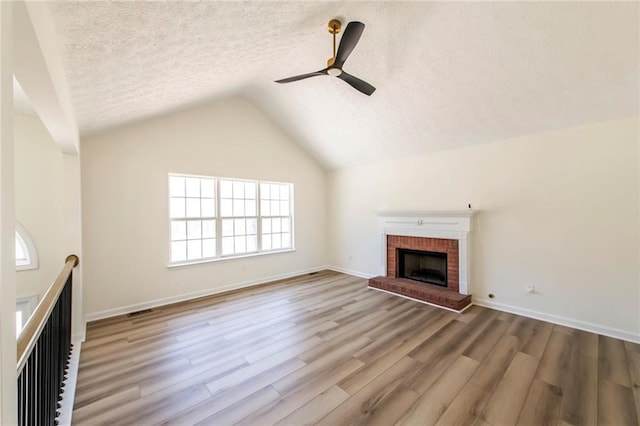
(425, 266)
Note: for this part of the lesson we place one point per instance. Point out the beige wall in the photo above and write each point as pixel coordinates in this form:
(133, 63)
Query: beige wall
(557, 210)
(125, 206)
(39, 202)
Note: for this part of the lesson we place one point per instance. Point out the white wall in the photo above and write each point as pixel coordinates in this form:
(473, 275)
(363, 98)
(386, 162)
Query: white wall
(39, 202)
(558, 210)
(125, 206)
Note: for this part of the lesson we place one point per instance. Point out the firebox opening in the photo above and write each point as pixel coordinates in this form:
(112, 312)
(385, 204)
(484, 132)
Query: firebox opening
(424, 266)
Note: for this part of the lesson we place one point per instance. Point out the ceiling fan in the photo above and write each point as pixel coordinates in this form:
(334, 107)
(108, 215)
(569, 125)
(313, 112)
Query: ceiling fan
(334, 65)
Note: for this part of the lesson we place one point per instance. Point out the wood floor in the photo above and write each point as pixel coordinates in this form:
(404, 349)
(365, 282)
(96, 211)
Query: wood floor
(325, 349)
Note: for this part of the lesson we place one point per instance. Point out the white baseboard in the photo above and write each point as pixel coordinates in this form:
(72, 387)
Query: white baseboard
(194, 295)
(68, 397)
(555, 319)
(350, 272)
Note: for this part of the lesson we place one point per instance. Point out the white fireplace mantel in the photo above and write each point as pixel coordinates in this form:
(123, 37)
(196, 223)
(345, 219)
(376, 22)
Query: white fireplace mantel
(449, 224)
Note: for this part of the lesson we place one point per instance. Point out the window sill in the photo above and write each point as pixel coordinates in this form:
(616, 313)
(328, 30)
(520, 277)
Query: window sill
(222, 259)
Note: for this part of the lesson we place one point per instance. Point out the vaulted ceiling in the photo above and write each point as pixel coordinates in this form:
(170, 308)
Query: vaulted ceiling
(448, 74)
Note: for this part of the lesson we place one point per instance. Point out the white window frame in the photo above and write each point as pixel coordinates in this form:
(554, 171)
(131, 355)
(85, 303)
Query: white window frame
(219, 218)
(23, 239)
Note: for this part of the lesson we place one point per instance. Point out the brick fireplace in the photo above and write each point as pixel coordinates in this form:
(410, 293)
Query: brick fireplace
(439, 234)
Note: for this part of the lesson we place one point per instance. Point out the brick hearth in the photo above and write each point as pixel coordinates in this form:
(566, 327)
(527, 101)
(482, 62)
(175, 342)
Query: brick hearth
(422, 291)
(449, 297)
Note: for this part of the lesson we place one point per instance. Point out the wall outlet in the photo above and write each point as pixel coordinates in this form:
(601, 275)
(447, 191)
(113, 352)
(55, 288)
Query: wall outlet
(531, 289)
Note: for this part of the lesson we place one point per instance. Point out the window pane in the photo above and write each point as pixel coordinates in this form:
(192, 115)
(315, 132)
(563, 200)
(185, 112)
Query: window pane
(176, 186)
(239, 227)
(208, 188)
(252, 243)
(178, 230)
(284, 208)
(286, 225)
(238, 189)
(265, 209)
(286, 240)
(194, 249)
(208, 229)
(177, 207)
(284, 192)
(266, 226)
(227, 227)
(194, 229)
(209, 248)
(275, 192)
(193, 187)
(275, 208)
(193, 207)
(226, 208)
(208, 207)
(275, 225)
(238, 207)
(226, 189)
(250, 190)
(266, 242)
(265, 191)
(250, 208)
(276, 241)
(241, 245)
(227, 245)
(252, 226)
(21, 251)
(178, 251)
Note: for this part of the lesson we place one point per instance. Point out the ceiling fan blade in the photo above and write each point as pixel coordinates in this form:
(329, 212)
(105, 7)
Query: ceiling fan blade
(357, 84)
(302, 76)
(348, 41)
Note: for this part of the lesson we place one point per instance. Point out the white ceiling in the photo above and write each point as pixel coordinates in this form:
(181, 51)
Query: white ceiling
(447, 74)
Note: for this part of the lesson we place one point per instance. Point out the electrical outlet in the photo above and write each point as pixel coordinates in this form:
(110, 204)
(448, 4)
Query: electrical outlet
(531, 289)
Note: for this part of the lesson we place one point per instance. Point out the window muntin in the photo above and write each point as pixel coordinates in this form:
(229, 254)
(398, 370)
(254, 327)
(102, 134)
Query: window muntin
(219, 217)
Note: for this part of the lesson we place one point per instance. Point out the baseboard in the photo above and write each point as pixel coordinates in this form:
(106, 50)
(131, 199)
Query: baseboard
(68, 397)
(555, 319)
(194, 295)
(350, 272)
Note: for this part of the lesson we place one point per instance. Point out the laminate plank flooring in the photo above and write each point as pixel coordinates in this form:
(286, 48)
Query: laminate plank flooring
(324, 349)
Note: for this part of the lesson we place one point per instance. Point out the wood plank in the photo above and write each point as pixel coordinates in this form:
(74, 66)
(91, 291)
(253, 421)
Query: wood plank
(612, 361)
(466, 407)
(311, 412)
(633, 356)
(542, 406)
(616, 405)
(555, 360)
(300, 395)
(507, 400)
(579, 404)
(434, 402)
(364, 404)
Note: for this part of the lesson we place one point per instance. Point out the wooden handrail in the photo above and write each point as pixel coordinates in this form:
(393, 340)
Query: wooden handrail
(32, 329)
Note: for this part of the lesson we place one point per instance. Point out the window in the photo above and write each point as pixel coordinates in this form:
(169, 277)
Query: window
(192, 207)
(26, 255)
(276, 218)
(239, 213)
(213, 218)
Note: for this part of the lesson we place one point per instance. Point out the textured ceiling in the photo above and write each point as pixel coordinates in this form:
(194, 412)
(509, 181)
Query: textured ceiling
(447, 74)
